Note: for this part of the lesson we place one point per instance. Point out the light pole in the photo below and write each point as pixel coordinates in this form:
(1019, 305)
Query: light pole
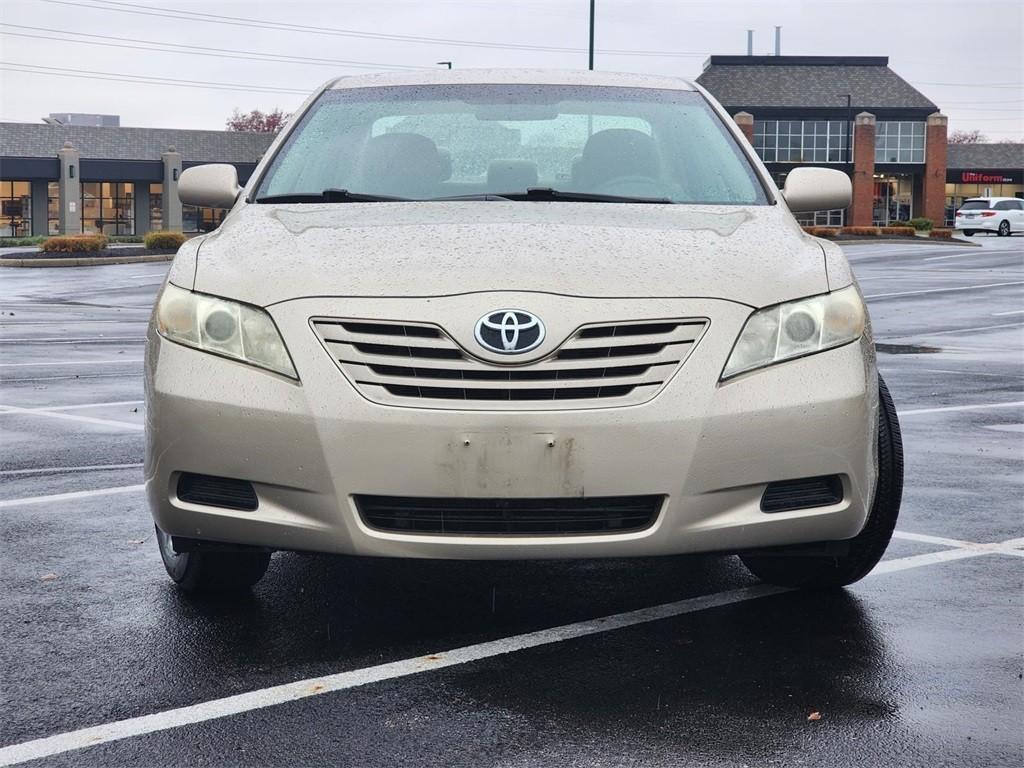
(591, 64)
(849, 128)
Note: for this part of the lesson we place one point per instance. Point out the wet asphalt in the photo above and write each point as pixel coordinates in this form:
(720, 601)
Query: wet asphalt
(921, 665)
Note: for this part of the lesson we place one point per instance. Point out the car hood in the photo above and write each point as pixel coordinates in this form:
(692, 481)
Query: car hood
(265, 254)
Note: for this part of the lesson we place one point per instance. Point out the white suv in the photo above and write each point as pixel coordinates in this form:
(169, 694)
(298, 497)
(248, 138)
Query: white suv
(1002, 215)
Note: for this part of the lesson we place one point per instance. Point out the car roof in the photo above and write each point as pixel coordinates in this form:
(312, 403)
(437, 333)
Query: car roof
(511, 76)
(990, 198)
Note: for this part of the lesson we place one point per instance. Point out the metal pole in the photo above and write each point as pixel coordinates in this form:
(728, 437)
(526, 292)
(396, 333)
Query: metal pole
(750, 42)
(448, 63)
(849, 130)
(778, 41)
(591, 64)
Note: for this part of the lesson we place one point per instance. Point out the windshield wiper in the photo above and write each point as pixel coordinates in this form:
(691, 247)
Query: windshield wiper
(548, 194)
(331, 196)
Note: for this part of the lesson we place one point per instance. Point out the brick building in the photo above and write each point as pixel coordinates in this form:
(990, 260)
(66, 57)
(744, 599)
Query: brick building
(803, 110)
(59, 178)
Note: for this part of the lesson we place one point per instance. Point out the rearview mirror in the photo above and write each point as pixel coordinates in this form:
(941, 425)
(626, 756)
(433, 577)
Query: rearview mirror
(817, 189)
(209, 186)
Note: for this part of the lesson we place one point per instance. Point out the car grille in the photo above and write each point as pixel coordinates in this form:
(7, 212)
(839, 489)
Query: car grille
(418, 364)
(613, 514)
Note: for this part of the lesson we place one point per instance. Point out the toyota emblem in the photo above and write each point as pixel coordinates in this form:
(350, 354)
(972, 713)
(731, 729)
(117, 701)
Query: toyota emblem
(509, 331)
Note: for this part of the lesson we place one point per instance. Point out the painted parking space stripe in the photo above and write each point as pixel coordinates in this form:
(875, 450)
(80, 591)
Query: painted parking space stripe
(59, 497)
(121, 361)
(944, 290)
(83, 340)
(281, 694)
(71, 417)
(65, 470)
(954, 408)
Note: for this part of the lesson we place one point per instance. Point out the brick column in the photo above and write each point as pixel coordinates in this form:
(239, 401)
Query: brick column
(745, 121)
(863, 170)
(70, 216)
(171, 201)
(933, 187)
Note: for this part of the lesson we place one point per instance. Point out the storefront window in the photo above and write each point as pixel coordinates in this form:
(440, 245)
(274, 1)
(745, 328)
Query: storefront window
(195, 219)
(156, 207)
(899, 142)
(957, 193)
(15, 208)
(108, 208)
(894, 199)
(801, 141)
(53, 208)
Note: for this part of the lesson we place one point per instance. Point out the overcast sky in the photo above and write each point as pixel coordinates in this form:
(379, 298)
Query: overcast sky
(967, 57)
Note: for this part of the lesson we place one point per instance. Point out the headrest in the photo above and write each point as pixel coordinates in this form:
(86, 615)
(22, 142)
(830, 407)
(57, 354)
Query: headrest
(403, 165)
(617, 152)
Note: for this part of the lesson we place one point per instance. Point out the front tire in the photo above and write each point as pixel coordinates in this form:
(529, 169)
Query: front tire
(211, 572)
(968, 233)
(867, 547)
(1004, 228)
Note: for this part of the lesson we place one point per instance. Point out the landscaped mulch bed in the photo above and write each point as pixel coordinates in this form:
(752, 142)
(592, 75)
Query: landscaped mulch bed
(35, 253)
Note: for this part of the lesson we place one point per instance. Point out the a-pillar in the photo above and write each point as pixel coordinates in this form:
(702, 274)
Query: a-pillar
(70, 216)
(745, 121)
(863, 170)
(171, 202)
(933, 187)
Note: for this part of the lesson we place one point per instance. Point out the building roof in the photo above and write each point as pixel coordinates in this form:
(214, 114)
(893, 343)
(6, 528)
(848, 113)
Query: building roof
(749, 82)
(1003, 156)
(94, 143)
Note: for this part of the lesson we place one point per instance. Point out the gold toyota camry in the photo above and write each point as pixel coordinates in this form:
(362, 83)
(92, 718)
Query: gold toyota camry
(509, 315)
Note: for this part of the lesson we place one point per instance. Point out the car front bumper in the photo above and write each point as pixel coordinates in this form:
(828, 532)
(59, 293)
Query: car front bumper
(709, 448)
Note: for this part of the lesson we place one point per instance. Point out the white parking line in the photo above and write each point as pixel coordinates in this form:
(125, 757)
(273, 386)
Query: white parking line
(73, 362)
(971, 252)
(1011, 312)
(85, 405)
(61, 470)
(80, 340)
(317, 686)
(943, 290)
(53, 497)
(69, 417)
(950, 331)
(951, 408)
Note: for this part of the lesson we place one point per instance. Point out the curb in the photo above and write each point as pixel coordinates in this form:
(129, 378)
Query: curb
(85, 261)
(906, 240)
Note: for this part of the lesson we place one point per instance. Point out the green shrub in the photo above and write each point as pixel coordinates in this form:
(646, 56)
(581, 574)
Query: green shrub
(921, 224)
(74, 244)
(159, 240)
(6, 242)
(125, 238)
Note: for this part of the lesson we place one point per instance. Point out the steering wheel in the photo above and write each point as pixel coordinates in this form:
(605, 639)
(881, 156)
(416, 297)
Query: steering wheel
(633, 186)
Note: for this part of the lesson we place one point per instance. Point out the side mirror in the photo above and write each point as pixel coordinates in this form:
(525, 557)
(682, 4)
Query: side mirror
(209, 186)
(817, 189)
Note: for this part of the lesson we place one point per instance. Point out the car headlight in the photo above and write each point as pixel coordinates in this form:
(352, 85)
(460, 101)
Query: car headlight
(797, 328)
(222, 327)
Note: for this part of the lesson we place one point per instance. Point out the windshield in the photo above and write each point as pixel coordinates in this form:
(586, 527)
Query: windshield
(975, 205)
(441, 141)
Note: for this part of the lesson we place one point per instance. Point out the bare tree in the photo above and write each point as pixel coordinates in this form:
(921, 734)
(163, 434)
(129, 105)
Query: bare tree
(967, 137)
(257, 121)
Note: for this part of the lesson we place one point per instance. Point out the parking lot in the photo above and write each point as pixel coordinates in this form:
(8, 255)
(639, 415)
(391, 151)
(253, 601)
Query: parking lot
(671, 661)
